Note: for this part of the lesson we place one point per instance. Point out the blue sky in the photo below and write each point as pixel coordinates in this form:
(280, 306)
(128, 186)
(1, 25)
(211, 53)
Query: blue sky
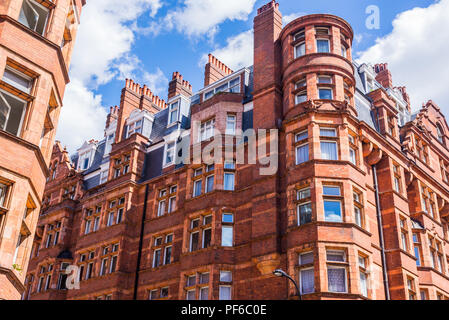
(150, 39)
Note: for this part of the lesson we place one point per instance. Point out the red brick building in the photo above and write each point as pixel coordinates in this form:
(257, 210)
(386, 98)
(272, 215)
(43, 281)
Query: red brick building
(357, 208)
(36, 43)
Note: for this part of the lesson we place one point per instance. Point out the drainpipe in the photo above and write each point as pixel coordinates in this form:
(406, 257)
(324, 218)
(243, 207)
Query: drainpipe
(381, 235)
(139, 255)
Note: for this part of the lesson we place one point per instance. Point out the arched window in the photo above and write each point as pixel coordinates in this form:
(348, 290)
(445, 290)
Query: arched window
(440, 134)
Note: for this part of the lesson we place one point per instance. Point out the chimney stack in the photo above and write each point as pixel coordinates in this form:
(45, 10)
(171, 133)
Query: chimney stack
(179, 86)
(267, 66)
(215, 70)
(383, 75)
(113, 115)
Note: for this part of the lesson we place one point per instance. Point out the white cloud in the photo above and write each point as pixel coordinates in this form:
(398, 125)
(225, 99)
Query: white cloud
(202, 17)
(416, 53)
(290, 17)
(102, 53)
(238, 52)
(156, 81)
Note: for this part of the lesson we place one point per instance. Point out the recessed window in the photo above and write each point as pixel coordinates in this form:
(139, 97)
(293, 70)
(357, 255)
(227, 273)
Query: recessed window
(324, 80)
(34, 16)
(299, 35)
(329, 150)
(304, 206)
(174, 111)
(332, 204)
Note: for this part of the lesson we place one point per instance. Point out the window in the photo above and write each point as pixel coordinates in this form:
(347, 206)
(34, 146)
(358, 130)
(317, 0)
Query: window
(363, 276)
(230, 124)
(300, 49)
(344, 50)
(174, 110)
(209, 183)
(34, 16)
(336, 271)
(358, 209)
(164, 292)
(229, 175)
(325, 93)
(134, 127)
(329, 150)
(417, 248)
(12, 110)
(227, 230)
(304, 206)
(436, 254)
(169, 153)
(232, 86)
(302, 147)
(404, 233)
(157, 258)
(332, 204)
(225, 276)
(207, 236)
(207, 130)
(301, 97)
(411, 289)
(153, 294)
(161, 208)
(224, 292)
(306, 273)
(197, 186)
(397, 178)
(440, 134)
(322, 45)
(3, 194)
(353, 150)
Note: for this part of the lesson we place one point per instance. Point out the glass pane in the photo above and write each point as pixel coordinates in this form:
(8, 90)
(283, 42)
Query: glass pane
(331, 191)
(328, 132)
(322, 46)
(302, 154)
(228, 218)
(325, 94)
(17, 81)
(300, 50)
(225, 276)
(229, 181)
(363, 284)
(337, 256)
(306, 258)
(329, 151)
(303, 194)
(336, 279)
(300, 98)
(307, 281)
(11, 109)
(225, 293)
(305, 213)
(209, 183)
(204, 293)
(227, 236)
(332, 211)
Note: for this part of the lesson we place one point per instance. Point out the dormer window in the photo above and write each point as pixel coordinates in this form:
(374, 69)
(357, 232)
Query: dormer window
(135, 127)
(34, 16)
(232, 86)
(109, 141)
(174, 111)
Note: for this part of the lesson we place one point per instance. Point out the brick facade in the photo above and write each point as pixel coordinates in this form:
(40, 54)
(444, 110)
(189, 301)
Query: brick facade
(34, 64)
(357, 209)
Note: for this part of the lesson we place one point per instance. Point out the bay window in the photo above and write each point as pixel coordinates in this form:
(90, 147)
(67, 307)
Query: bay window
(173, 113)
(329, 150)
(300, 49)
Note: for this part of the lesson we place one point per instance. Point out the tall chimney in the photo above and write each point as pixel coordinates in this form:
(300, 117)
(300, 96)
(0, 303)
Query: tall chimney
(383, 75)
(267, 66)
(179, 86)
(215, 70)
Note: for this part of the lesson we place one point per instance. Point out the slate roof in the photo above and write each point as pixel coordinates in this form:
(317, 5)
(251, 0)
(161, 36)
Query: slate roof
(154, 159)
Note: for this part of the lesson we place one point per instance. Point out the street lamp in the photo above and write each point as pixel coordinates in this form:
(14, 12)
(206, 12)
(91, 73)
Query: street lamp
(281, 273)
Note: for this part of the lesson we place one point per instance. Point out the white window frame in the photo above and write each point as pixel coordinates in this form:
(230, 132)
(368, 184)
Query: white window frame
(31, 4)
(231, 120)
(166, 150)
(25, 105)
(174, 107)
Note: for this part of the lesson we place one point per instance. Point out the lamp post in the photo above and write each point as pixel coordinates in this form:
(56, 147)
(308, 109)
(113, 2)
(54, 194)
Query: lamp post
(281, 273)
